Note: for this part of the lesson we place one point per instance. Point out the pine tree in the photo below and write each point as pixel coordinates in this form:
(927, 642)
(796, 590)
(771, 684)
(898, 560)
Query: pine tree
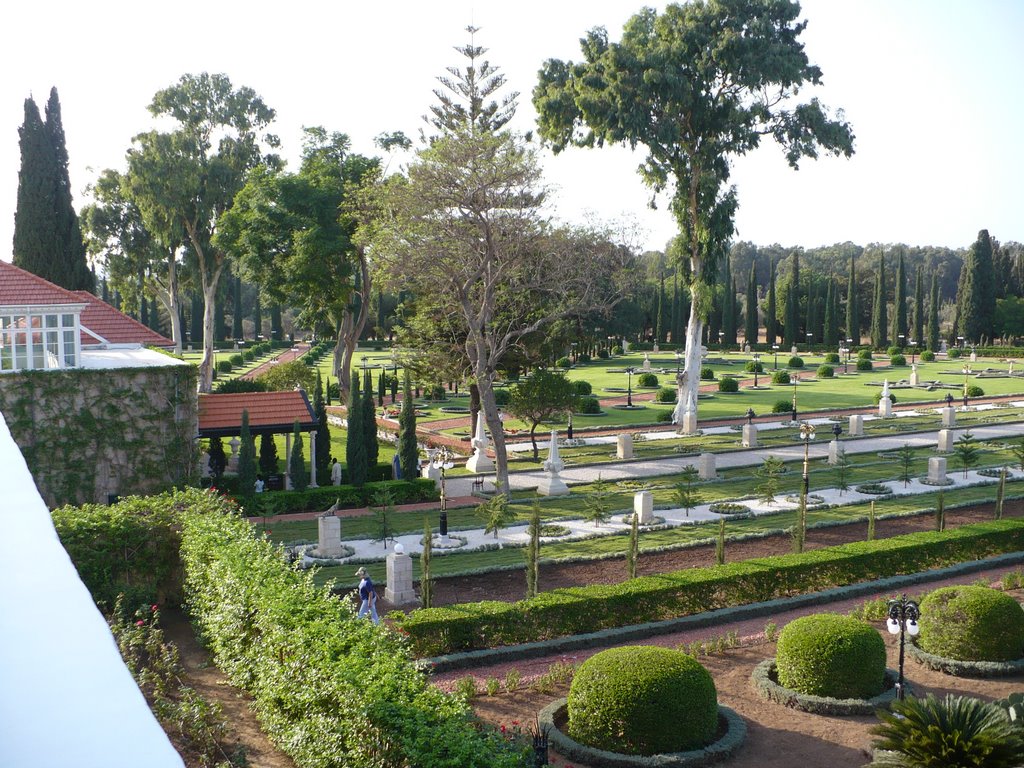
(426, 583)
(852, 310)
(975, 300)
(297, 467)
(268, 455)
(323, 433)
(355, 442)
(218, 460)
(408, 450)
(771, 320)
(369, 412)
(917, 327)
(899, 305)
(751, 326)
(879, 315)
(933, 315)
(246, 459)
(236, 311)
(533, 551)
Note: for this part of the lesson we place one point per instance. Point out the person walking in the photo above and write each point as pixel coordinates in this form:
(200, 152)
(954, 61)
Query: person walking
(367, 597)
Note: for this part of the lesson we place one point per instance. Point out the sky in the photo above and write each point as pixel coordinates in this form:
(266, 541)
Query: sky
(931, 88)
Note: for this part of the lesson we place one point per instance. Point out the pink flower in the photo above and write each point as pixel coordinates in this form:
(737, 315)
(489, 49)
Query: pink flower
(139, 623)
(153, 607)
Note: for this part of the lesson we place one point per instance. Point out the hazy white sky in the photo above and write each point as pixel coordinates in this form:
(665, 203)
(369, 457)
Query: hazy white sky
(932, 88)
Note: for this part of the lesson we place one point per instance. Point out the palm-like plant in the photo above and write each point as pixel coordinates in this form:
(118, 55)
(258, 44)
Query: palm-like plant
(953, 732)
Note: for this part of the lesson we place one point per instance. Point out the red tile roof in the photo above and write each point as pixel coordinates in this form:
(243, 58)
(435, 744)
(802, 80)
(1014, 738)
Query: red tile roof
(269, 412)
(20, 288)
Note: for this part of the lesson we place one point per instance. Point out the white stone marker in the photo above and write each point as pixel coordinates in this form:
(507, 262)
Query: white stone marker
(551, 484)
(915, 380)
(624, 446)
(884, 403)
(690, 416)
(480, 462)
(833, 452)
(948, 416)
(856, 425)
(328, 530)
(750, 436)
(937, 470)
(706, 466)
(399, 589)
(945, 441)
(643, 507)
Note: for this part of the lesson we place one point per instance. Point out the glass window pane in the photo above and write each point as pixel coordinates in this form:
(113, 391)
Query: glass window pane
(20, 351)
(69, 348)
(51, 321)
(68, 321)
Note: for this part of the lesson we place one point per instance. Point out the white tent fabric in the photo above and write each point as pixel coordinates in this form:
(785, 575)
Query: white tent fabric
(66, 697)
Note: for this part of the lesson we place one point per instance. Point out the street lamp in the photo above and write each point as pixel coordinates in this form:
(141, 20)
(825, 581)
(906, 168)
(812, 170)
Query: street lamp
(810, 337)
(913, 350)
(757, 366)
(902, 339)
(961, 340)
(629, 387)
(836, 431)
(569, 430)
(574, 355)
(775, 349)
(721, 340)
(966, 372)
(806, 434)
(442, 462)
(849, 349)
(903, 616)
(750, 415)
(794, 399)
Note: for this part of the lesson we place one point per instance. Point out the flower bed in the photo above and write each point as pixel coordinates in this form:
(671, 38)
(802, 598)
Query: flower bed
(766, 682)
(873, 489)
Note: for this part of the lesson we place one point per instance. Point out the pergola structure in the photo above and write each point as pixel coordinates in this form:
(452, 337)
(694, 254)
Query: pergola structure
(270, 413)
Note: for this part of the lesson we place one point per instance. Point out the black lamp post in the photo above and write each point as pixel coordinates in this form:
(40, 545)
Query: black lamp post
(807, 434)
(794, 399)
(629, 387)
(569, 430)
(949, 400)
(903, 616)
(966, 372)
(750, 415)
(575, 357)
(810, 337)
(721, 340)
(775, 349)
(849, 349)
(913, 350)
(901, 338)
(757, 366)
(443, 461)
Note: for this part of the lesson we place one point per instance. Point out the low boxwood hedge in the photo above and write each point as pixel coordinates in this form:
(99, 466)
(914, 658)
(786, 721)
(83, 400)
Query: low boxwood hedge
(347, 496)
(570, 611)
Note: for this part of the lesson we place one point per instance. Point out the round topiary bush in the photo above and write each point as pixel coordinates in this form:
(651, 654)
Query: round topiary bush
(642, 700)
(927, 356)
(826, 372)
(831, 655)
(589, 405)
(583, 387)
(752, 367)
(863, 365)
(616, 350)
(602, 354)
(728, 384)
(795, 362)
(893, 350)
(502, 396)
(224, 366)
(782, 406)
(563, 362)
(972, 623)
(584, 357)
(237, 360)
(975, 391)
(878, 396)
(780, 377)
(707, 373)
(897, 360)
(864, 354)
(665, 395)
(647, 380)
(832, 357)
(953, 353)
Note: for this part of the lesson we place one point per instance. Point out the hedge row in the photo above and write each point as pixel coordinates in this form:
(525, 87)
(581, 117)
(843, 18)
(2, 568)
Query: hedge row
(562, 612)
(347, 496)
(330, 689)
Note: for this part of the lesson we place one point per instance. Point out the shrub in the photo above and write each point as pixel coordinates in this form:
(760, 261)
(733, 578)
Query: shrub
(285, 376)
(782, 406)
(563, 362)
(795, 362)
(826, 372)
(647, 379)
(752, 367)
(589, 405)
(224, 366)
(583, 387)
(642, 700)
(248, 355)
(241, 385)
(780, 377)
(237, 360)
(665, 395)
(584, 357)
(602, 354)
(707, 373)
(664, 417)
(975, 391)
(831, 655)
(864, 354)
(502, 396)
(897, 360)
(832, 357)
(863, 364)
(616, 350)
(893, 350)
(953, 353)
(927, 356)
(970, 623)
(877, 396)
(728, 384)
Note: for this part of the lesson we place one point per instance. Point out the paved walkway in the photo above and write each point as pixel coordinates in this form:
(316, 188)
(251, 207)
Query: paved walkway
(285, 356)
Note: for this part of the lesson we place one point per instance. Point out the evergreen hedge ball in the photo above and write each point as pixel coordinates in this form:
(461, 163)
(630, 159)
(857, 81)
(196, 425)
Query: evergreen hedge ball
(780, 377)
(795, 362)
(583, 387)
(642, 700)
(864, 354)
(832, 357)
(502, 396)
(563, 362)
(752, 367)
(953, 353)
(665, 395)
(589, 405)
(897, 359)
(975, 391)
(707, 373)
(831, 655)
(863, 365)
(782, 406)
(647, 380)
(971, 623)
(927, 356)
(826, 372)
(727, 384)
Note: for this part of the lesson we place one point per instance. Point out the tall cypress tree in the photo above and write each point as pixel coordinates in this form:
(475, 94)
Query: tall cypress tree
(899, 305)
(933, 315)
(276, 328)
(323, 433)
(728, 303)
(257, 317)
(659, 316)
(369, 422)
(355, 442)
(852, 310)
(408, 448)
(751, 326)
(297, 465)
(789, 322)
(879, 315)
(976, 297)
(917, 327)
(771, 320)
(236, 310)
(246, 459)
(268, 455)
(811, 323)
(830, 334)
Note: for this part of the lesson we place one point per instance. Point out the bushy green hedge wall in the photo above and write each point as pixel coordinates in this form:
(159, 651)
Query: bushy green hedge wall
(347, 496)
(830, 655)
(562, 612)
(972, 623)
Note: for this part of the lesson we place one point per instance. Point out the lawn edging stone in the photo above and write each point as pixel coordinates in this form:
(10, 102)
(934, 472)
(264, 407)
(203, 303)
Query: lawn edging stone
(960, 668)
(764, 679)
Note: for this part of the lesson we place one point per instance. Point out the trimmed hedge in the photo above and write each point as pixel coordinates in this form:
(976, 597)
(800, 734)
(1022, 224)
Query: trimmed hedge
(571, 611)
(927, 356)
(826, 372)
(971, 623)
(647, 379)
(831, 655)
(728, 384)
(330, 689)
(795, 362)
(347, 496)
(780, 377)
(665, 395)
(622, 698)
(864, 365)
(765, 679)
(582, 387)
(589, 405)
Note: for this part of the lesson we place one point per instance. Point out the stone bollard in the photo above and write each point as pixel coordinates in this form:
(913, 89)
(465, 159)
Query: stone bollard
(856, 428)
(833, 452)
(643, 507)
(706, 466)
(399, 589)
(690, 423)
(948, 416)
(328, 536)
(750, 436)
(885, 408)
(945, 441)
(937, 470)
(624, 447)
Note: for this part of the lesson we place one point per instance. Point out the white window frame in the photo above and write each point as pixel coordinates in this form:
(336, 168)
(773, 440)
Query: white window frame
(17, 321)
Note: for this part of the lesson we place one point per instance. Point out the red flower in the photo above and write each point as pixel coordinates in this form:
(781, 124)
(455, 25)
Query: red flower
(502, 728)
(153, 607)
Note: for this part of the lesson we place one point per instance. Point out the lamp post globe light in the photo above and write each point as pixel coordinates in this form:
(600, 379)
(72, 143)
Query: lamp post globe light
(902, 621)
(949, 400)
(810, 337)
(902, 339)
(629, 386)
(849, 349)
(442, 462)
(836, 430)
(807, 435)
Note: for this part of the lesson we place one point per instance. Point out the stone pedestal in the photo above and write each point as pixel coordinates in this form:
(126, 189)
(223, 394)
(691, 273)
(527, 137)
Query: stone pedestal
(706, 466)
(974, 357)
(945, 441)
(749, 436)
(480, 462)
(948, 416)
(399, 577)
(656, 349)
(833, 452)
(885, 408)
(328, 537)
(856, 428)
(551, 484)
(690, 423)
(937, 470)
(624, 447)
(915, 379)
(793, 350)
(643, 507)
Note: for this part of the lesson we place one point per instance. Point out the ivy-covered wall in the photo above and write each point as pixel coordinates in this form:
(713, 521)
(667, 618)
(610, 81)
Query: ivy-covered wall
(87, 434)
